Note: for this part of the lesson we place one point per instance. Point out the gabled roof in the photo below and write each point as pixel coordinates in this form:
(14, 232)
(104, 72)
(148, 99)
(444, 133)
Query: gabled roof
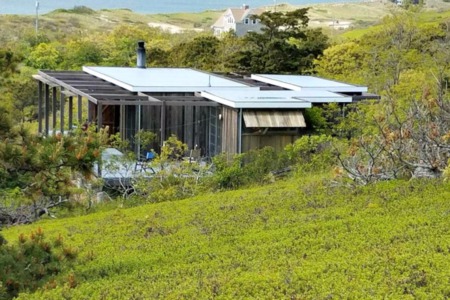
(238, 14)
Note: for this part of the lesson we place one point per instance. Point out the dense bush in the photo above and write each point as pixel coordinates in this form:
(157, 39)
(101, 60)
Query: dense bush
(252, 167)
(30, 264)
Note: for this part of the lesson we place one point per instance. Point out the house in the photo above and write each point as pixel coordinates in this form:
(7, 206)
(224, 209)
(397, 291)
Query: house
(238, 20)
(215, 113)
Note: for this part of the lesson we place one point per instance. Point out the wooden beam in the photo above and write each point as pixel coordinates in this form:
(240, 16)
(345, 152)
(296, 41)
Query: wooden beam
(45, 80)
(68, 87)
(129, 102)
(69, 93)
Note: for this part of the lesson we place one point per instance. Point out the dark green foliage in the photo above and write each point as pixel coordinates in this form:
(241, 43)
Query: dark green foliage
(200, 53)
(284, 46)
(82, 10)
(8, 63)
(312, 153)
(42, 169)
(31, 263)
(252, 167)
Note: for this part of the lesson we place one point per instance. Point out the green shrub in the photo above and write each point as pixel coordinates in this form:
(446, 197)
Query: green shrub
(252, 167)
(313, 152)
(31, 264)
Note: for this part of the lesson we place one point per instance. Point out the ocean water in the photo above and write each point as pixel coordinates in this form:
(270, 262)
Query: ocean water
(28, 7)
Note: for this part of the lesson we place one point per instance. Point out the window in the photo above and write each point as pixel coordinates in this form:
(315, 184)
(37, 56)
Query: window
(254, 21)
(246, 21)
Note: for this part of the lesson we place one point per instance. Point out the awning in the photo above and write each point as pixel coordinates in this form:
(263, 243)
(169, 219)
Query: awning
(277, 118)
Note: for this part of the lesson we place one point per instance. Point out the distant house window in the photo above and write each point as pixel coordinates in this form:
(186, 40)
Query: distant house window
(254, 21)
(230, 20)
(246, 21)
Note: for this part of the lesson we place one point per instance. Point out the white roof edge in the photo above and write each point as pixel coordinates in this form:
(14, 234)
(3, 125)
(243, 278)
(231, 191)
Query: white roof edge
(297, 103)
(275, 82)
(348, 88)
(109, 79)
(218, 99)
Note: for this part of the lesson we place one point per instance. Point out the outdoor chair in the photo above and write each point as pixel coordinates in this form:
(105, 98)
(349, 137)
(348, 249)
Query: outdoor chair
(144, 163)
(193, 155)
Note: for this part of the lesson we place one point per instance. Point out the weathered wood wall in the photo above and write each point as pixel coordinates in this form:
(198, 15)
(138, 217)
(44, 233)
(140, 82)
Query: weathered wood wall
(230, 130)
(278, 142)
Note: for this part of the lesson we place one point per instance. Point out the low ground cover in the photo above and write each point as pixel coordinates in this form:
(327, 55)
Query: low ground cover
(298, 239)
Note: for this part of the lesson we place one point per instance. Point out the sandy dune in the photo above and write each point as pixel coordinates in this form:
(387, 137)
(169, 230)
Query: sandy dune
(171, 28)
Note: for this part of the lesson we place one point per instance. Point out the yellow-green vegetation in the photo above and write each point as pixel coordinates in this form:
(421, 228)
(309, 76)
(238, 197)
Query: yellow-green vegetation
(423, 18)
(188, 20)
(298, 239)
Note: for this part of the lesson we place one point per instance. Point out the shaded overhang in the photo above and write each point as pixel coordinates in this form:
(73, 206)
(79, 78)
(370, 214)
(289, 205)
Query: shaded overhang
(273, 118)
(100, 91)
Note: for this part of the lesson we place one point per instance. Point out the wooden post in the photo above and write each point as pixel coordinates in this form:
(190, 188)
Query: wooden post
(40, 106)
(240, 117)
(90, 111)
(47, 108)
(122, 122)
(54, 109)
(163, 122)
(70, 112)
(80, 111)
(61, 108)
(99, 116)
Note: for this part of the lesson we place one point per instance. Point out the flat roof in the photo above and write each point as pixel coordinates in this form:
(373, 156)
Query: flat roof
(161, 79)
(252, 98)
(300, 82)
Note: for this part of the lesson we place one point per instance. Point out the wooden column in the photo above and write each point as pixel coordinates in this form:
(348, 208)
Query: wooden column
(91, 111)
(80, 111)
(99, 116)
(163, 122)
(47, 108)
(54, 109)
(70, 112)
(40, 86)
(122, 122)
(61, 108)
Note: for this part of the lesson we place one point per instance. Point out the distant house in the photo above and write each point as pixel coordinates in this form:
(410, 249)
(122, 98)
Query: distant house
(239, 20)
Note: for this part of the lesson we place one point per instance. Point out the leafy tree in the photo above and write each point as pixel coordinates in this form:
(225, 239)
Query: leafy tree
(81, 52)
(22, 93)
(42, 169)
(342, 62)
(285, 45)
(44, 56)
(8, 62)
(200, 53)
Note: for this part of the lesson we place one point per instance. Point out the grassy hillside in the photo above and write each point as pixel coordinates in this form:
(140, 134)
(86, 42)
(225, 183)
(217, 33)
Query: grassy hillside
(299, 239)
(67, 22)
